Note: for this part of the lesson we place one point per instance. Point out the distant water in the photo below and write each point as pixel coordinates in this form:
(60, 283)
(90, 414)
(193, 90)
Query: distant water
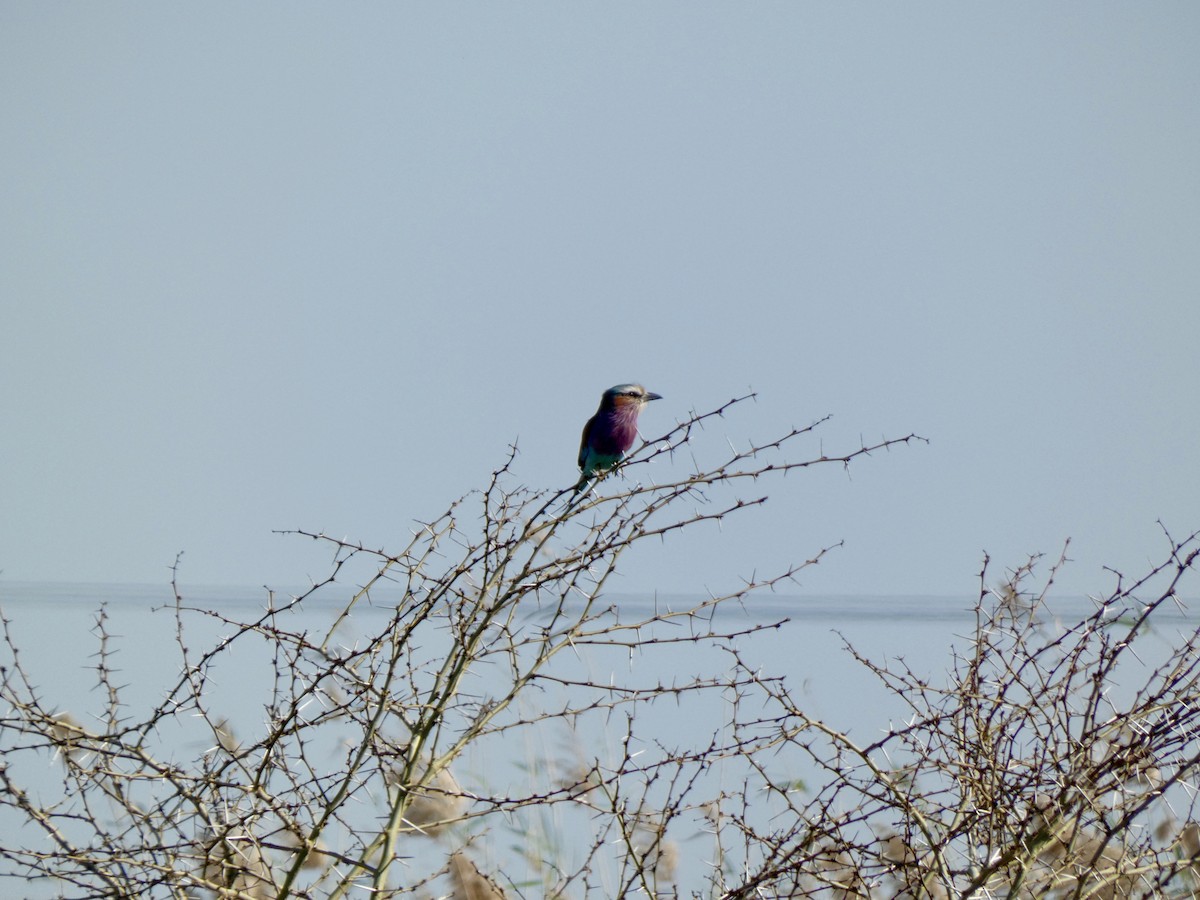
(55, 628)
(54, 625)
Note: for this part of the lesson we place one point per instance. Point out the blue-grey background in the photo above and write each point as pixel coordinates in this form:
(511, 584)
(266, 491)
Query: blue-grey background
(271, 266)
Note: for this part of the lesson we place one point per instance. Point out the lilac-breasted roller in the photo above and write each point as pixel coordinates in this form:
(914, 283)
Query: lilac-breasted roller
(610, 433)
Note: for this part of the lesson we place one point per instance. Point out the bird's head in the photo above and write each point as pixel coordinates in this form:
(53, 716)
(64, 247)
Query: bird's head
(621, 396)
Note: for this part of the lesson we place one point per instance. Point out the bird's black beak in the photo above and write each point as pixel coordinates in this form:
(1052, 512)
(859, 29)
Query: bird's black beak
(650, 395)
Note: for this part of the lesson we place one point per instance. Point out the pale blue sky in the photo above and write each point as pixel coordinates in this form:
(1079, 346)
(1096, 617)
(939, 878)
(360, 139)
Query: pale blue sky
(269, 266)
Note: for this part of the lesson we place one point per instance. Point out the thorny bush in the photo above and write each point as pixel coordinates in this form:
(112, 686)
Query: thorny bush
(373, 771)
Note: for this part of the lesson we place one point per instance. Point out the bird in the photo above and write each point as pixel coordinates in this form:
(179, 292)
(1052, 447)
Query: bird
(610, 433)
